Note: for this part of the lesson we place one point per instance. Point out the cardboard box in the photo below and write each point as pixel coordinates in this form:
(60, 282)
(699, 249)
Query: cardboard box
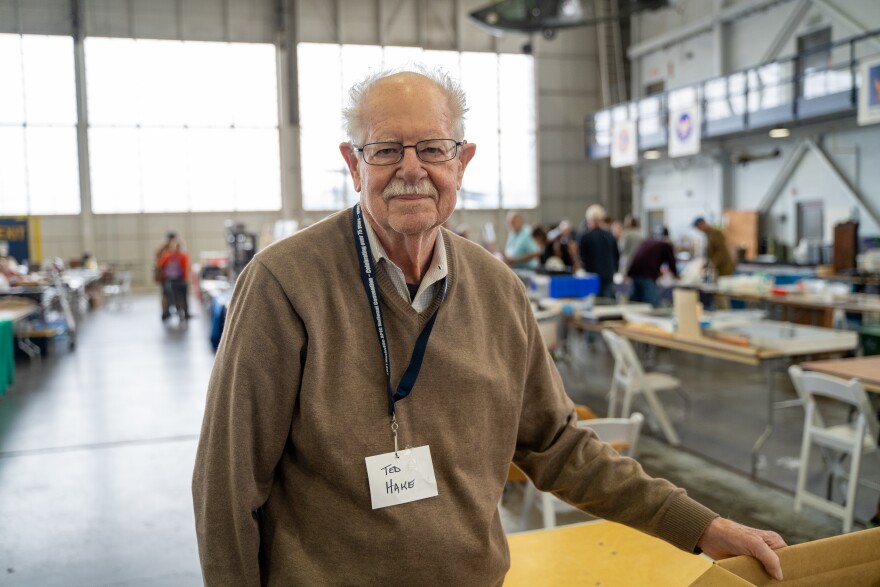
(851, 559)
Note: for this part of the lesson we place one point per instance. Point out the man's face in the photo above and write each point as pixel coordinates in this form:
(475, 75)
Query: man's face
(412, 196)
(515, 222)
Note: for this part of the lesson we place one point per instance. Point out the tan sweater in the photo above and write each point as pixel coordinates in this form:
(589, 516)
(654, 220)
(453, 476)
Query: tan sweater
(297, 400)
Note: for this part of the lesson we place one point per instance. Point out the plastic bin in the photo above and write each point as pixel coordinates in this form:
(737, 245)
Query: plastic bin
(564, 286)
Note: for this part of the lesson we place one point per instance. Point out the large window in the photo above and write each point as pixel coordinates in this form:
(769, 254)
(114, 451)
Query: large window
(39, 171)
(501, 121)
(182, 126)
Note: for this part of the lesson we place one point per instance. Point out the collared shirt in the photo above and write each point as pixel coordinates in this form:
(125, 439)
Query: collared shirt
(436, 271)
(519, 244)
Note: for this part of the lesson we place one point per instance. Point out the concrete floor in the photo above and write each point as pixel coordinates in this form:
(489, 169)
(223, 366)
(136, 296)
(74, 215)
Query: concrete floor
(97, 447)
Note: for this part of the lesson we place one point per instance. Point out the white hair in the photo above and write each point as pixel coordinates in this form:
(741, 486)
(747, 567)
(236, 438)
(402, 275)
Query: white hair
(595, 214)
(353, 113)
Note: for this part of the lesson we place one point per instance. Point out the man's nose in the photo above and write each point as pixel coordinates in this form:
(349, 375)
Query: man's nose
(411, 166)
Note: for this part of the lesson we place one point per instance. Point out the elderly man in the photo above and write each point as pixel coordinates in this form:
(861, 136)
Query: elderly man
(598, 250)
(377, 376)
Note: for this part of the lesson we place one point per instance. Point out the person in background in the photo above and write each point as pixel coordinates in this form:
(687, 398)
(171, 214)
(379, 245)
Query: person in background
(718, 257)
(9, 275)
(170, 239)
(628, 241)
(174, 265)
(598, 250)
(88, 261)
(562, 246)
(521, 250)
(717, 253)
(316, 467)
(646, 266)
(539, 235)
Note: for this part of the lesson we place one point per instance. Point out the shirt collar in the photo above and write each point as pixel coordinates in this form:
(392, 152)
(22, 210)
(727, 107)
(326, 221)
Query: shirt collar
(436, 271)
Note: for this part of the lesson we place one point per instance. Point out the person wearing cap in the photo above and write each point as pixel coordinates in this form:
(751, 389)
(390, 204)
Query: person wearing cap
(377, 376)
(717, 253)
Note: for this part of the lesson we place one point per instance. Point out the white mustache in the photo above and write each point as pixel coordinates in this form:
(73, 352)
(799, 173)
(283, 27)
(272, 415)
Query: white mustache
(398, 187)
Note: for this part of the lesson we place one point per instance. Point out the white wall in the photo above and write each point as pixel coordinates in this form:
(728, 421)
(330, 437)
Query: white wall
(708, 184)
(566, 79)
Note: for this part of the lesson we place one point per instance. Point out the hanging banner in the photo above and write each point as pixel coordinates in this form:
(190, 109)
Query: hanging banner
(624, 144)
(20, 238)
(869, 92)
(684, 131)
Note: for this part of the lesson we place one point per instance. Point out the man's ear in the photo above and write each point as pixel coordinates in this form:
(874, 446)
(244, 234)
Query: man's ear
(468, 150)
(351, 159)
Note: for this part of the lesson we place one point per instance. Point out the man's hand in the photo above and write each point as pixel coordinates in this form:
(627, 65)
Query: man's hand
(725, 538)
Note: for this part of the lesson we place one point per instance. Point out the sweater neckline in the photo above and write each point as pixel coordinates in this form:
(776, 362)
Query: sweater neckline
(392, 299)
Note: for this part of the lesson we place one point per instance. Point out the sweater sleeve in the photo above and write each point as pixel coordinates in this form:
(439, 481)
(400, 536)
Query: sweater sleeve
(248, 414)
(574, 465)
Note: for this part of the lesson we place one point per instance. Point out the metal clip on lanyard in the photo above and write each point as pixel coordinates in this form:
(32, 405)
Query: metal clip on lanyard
(368, 277)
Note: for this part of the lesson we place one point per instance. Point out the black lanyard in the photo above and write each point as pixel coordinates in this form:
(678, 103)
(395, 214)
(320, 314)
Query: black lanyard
(368, 277)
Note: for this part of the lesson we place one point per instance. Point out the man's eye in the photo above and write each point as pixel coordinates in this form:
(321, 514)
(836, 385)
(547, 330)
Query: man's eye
(387, 152)
(432, 150)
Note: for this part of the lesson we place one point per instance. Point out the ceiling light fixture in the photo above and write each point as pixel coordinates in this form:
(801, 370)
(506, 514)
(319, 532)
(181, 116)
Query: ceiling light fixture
(779, 133)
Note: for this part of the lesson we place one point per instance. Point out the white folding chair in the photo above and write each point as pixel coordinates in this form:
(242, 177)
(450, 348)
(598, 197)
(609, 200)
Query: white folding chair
(839, 440)
(630, 379)
(621, 433)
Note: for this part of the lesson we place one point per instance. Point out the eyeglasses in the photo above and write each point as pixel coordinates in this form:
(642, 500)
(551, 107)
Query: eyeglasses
(429, 151)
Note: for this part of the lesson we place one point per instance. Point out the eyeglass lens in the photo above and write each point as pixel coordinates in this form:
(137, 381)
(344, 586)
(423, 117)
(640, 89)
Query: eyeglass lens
(430, 151)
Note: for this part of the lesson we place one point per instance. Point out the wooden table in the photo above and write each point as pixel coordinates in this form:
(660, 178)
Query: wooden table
(747, 355)
(16, 313)
(805, 308)
(866, 369)
(598, 553)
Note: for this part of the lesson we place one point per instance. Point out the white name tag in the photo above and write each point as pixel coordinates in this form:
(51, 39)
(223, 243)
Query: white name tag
(394, 480)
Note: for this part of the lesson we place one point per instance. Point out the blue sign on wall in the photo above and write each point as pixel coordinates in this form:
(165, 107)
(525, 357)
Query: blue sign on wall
(16, 232)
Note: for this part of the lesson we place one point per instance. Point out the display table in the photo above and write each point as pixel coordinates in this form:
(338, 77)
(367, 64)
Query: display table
(866, 369)
(804, 308)
(749, 354)
(598, 553)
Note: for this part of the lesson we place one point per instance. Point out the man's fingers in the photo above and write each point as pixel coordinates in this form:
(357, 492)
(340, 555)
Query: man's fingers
(725, 538)
(773, 540)
(769, 559)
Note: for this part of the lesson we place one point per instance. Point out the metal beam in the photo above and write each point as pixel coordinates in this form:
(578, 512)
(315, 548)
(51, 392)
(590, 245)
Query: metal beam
(851, 189)
(834, 11)
(788, 168)
(86, 217)
(337, 14)
(786, 30)
(422, 20)
(380, 22)
(697, 27)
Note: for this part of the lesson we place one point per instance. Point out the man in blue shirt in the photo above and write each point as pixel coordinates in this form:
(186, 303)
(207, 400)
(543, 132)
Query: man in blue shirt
(521, 250)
